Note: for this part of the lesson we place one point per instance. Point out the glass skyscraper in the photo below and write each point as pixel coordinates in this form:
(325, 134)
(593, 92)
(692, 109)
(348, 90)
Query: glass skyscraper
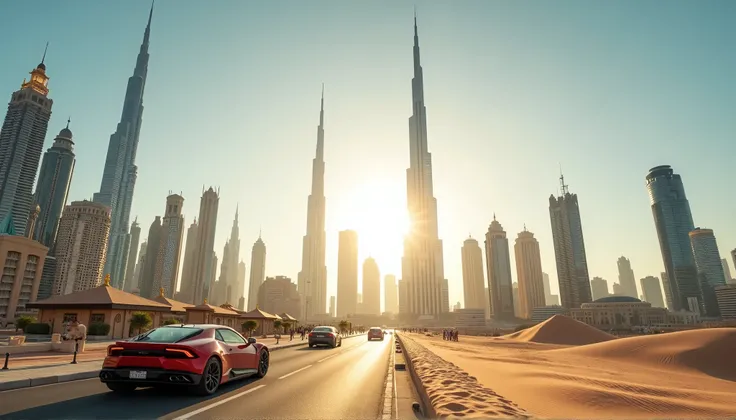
(674, 222)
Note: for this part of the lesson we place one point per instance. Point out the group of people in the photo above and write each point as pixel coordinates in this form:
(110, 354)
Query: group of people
(75, 331)
(449, 335)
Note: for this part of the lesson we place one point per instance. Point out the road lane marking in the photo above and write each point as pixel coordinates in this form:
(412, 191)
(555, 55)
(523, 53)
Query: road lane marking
(215, 404)
(330, 357)
(296, 371)
(343, 351)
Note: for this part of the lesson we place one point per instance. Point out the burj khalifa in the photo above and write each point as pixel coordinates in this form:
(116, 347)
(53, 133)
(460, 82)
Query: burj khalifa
(422, 265)
(120, 172)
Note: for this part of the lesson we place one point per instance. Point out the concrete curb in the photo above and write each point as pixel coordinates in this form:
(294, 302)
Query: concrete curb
(428, 409)
(390, 389)
(76, 376)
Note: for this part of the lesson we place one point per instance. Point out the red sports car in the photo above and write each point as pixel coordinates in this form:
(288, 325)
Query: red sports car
(201, 357)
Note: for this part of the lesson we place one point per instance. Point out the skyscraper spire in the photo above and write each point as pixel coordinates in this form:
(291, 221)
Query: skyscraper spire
(44, 52)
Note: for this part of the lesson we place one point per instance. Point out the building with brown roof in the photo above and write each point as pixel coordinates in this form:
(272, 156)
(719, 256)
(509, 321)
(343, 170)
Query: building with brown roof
(264, 319)
(178, 309)
(211, 314)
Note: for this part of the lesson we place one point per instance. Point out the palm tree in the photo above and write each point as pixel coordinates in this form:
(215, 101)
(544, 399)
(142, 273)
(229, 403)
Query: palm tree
(343, 325)
(277, 325)
(139, 321)
(249, 326)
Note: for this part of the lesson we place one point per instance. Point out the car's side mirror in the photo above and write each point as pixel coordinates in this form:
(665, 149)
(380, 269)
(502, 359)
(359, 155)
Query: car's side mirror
(251, 340)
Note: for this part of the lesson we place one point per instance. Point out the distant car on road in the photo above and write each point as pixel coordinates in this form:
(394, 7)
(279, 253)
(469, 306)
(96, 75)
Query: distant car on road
(198, 357)
(375, 333)
(326, 335)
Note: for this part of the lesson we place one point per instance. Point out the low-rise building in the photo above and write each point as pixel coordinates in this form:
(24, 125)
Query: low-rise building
(624, 312)
(470, 318)
(726, 297)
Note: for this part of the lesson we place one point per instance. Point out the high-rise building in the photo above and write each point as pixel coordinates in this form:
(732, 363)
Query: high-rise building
(488, 303)
(312, 279)
(473, 279)
(21, 261)
(120, 172)
(422, 265)
(515, 298)
(726, 270)
(371, 287)
(626, 277)
(257, 272)
(708, 263)
(347, 273)
(227, 286)
(186, 282)
(205, 264)
(139, 268)
(445, 296)
(674, 221)
(498, 269)
(81, 247)
(618, 290)
(548, 296)
(332, 306)
(733, 257)
(148, 272)
(52, 188)
(391, 294)
(169, 248)
(241, 286)
(135, 237)
(726, 298)
(652, 292)
(21, 144)
(403, 300)
(278, 295)
(529, 274)
(599, 288)
(667, 291)
(567, 235)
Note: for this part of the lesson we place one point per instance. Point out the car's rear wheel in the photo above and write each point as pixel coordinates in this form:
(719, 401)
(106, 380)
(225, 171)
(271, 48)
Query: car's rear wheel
(119, 387)
(211, 377)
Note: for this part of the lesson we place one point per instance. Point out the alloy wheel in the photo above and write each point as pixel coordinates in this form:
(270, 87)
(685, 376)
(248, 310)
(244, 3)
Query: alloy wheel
(212, 377)
(263, 363)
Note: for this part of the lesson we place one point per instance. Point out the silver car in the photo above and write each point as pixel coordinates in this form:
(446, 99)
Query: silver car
(329, 336)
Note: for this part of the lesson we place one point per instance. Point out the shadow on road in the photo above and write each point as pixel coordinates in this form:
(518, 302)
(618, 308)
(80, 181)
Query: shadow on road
(318, 348)
(145, 403)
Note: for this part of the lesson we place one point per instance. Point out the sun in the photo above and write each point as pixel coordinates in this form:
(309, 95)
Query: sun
(377, 211)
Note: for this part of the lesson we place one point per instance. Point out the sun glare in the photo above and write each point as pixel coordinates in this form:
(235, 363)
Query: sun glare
(377, 211)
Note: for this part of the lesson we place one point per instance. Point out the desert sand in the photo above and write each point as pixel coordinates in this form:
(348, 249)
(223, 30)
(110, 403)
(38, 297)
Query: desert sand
(689, 374)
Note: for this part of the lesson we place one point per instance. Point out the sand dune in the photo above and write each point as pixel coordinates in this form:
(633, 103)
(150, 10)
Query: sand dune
(561, 329)
(710, 351)
(688, 374)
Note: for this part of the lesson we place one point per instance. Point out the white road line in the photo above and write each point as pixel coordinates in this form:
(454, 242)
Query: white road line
(329, 357)
(215, 404)
(296, 371)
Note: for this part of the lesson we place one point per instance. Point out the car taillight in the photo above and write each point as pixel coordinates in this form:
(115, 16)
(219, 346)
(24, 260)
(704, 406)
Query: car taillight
(331, 334)
(114, 350)
(311, 334)
(179, 354)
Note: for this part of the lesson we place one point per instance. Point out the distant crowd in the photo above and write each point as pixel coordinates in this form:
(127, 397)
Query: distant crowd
(448, 334)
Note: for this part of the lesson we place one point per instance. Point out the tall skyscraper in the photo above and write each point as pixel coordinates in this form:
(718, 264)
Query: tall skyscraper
(674, 221)
(52, 188)
(626, 277)
(391, 294)
(445, 296)
(347, 273)
(599, 288)
(710, 270)
(733, 257)
(332, 306)
(667, 291)
(227, 286)
(652, 292)
(257, 272)
(498, 267)
(204, 265)
(187, 274)
(148, 272)
(371, 287)
(567, 235)
(21, 144)
(139, 268)
(81, 246)
(240, 292)
(726, 270)
(169, 248)
(135, 236)
(403, 300)
(312, 279)
(529, 273)
(120, 172)
(422, 265)
(473, 279)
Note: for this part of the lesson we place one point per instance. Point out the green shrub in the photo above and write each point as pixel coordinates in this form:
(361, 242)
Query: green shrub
(23, 321)
(98, 329)
(38, 328)
(171, 321)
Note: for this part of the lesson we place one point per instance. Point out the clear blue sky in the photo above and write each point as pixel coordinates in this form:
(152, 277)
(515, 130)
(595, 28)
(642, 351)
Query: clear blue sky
(513, 90)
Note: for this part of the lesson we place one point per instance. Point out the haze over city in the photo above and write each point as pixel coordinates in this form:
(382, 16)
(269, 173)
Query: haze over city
(605, 91)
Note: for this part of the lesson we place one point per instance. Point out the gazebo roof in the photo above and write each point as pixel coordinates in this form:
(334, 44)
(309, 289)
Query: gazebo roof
(100, 296)
(231, 308)
(211, 308)
(257, 313)
(175, 305)
(287, 317)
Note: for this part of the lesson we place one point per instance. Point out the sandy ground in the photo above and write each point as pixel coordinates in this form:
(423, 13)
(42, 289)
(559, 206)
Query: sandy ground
(689, 374)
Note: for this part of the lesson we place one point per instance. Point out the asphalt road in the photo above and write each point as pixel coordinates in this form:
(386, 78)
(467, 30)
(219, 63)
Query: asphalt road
(302, 383)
